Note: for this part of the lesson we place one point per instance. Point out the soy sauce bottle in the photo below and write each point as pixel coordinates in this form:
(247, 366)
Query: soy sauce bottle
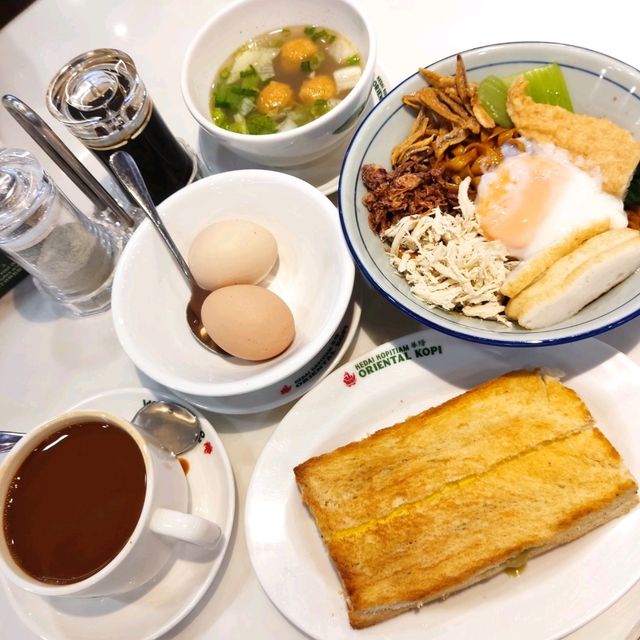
(101, 99)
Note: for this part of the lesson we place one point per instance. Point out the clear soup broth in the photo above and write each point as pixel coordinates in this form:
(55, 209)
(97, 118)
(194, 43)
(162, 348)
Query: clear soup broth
(284, 79)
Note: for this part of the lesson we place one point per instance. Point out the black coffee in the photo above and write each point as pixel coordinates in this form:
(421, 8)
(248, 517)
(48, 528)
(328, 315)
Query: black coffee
(74, 502)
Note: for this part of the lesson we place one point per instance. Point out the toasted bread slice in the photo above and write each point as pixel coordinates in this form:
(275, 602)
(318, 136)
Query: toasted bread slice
(469, 532)
(459, 492)
(577, 279)
(445, 444)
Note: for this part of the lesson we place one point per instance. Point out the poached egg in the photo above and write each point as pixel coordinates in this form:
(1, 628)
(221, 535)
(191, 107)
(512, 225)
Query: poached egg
(534, 199)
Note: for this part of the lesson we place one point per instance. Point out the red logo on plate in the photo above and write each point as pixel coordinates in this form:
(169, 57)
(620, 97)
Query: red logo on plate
(208, 447)
(349, 378)
(286, 389)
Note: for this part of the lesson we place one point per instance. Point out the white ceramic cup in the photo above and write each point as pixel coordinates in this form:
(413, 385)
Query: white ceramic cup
(163, 519)
(245, 19)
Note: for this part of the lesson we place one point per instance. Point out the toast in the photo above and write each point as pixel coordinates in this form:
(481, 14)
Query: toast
(462, 491)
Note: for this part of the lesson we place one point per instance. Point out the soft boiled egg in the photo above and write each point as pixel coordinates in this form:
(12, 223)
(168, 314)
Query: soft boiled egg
(232, 252)
(248, 321)
(533, 200)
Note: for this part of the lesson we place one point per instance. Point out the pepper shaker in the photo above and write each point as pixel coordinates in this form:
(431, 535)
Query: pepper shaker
(71, 257)
(100, 97)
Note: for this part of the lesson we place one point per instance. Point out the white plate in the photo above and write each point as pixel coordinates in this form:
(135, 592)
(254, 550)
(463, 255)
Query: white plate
(558, 592)
(157, 607)
(298, 383)
(321, 173)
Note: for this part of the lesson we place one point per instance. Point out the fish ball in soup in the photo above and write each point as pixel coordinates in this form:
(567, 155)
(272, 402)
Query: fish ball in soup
(274, 98)
(284, 79)
(294, 52)
(318, 88)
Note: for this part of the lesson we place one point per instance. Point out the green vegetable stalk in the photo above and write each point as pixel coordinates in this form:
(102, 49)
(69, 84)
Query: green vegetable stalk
(545, 85)
(633, 194)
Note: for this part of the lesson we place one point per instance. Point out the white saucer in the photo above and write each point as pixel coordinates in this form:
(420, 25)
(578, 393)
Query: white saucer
(321, 173)
(155, 608)
(299, 382)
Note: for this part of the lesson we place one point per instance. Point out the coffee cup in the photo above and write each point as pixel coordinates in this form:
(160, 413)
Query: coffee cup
(92, 506)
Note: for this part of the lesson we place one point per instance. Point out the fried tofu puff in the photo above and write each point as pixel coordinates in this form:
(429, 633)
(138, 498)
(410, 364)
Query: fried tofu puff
(274, 98)
(318, 88)
(294, 52)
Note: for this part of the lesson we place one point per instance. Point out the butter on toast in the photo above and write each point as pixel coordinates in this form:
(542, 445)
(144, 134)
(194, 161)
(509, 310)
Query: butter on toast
(444, 444)
(460, 492)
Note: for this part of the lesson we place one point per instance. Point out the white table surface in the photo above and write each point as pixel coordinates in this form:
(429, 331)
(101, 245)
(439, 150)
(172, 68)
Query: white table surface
(48, 361)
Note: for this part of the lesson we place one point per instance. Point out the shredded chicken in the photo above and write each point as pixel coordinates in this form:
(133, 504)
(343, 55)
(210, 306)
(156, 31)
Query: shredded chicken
(448, 263)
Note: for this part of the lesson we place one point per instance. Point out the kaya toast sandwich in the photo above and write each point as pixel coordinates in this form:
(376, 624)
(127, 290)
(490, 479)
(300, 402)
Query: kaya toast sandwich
(461, 491)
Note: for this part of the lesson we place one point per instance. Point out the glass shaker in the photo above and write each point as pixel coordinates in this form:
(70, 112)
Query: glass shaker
(71, 257)
(102, 100)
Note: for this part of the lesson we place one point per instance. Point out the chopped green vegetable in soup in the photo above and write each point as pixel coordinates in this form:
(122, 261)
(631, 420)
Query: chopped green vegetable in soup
(284, 79)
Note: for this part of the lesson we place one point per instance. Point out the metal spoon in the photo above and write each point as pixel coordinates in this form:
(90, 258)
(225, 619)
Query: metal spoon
(8, 439)
(58, 151)
(125, 169)
(173, 425)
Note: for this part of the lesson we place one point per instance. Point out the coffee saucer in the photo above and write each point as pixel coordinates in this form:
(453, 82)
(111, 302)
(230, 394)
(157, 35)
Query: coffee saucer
(322, 173)
(152, 610)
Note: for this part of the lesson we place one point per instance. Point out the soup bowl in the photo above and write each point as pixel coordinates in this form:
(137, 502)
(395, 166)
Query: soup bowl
(229, 29)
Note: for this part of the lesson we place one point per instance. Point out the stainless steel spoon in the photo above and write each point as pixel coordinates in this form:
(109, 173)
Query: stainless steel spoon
(58, 151)
(125, 169)
(173, 425)
(8, 439)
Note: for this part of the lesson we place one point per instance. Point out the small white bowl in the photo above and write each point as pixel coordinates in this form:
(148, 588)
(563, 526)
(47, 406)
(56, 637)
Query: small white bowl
(314, 276)
(246, 19)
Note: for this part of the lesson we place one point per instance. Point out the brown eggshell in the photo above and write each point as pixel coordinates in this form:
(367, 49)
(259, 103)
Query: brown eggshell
(248, 321)
(232, 252)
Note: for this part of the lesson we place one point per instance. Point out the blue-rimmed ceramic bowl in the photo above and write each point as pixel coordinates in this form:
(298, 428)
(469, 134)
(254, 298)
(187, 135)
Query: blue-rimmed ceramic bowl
(599, 86)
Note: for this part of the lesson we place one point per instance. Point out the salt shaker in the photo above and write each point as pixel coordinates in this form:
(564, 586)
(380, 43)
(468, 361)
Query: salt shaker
(71, 257)
(100, 97)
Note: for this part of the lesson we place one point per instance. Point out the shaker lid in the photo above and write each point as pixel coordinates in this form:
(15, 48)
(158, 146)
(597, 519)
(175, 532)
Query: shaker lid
(92, 91)
(100, 97)
(23, 187)
(8, 185)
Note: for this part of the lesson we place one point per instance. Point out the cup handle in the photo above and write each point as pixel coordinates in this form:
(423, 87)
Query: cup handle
(185, 527)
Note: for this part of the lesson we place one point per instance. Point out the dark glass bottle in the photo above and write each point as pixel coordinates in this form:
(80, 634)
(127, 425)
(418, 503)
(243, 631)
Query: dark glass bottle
(101, 99)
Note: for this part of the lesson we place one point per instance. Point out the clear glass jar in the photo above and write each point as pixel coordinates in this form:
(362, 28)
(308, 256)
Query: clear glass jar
(71, 257)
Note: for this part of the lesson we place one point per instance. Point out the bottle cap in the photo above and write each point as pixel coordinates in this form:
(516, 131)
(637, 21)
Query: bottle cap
(24, 187)
(100, 97)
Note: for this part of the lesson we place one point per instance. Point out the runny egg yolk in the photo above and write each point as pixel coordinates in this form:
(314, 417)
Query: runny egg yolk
(514, 200)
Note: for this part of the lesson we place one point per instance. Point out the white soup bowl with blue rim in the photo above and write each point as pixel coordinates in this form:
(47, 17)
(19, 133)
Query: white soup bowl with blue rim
(599, 86)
